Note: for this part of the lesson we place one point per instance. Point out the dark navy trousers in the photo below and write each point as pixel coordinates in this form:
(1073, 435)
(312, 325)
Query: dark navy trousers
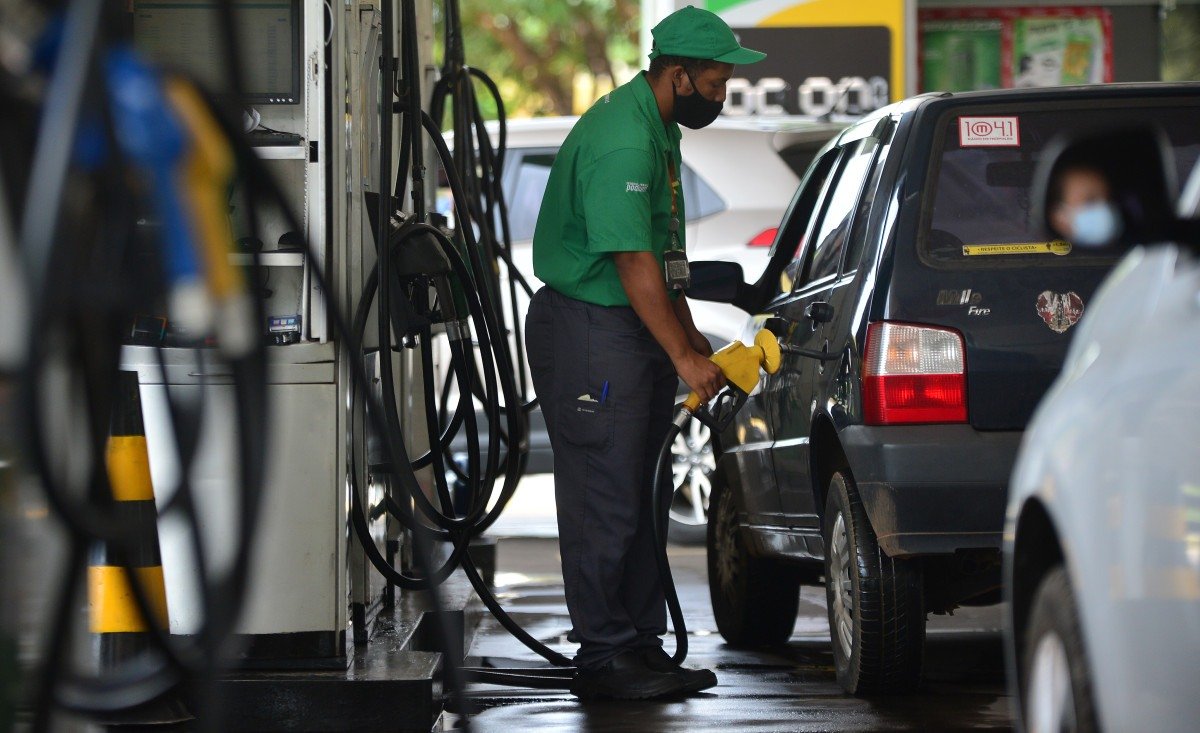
(605, 444)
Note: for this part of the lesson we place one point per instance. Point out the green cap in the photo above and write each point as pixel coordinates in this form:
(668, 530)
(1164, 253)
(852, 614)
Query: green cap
(699, 34)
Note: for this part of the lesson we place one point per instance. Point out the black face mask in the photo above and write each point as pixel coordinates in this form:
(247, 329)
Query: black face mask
(694, 111)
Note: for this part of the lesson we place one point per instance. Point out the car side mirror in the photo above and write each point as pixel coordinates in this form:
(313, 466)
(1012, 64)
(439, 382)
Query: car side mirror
(721, 282)
(1108, 188)
(716, 281)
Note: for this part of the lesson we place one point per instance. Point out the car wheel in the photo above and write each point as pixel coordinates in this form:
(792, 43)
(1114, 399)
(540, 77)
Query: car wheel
(876, 603)
(692, 464)
(1056, 694)
(754, 600)
(693, 460)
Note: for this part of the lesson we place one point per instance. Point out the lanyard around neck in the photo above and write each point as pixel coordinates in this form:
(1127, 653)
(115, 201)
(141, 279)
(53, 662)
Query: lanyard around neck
(673, 183)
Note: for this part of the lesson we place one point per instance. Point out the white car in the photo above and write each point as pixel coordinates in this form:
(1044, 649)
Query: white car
(1102, 545)
(737, 179)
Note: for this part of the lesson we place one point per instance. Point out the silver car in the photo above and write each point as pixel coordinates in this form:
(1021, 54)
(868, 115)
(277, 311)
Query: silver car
(1103, 529)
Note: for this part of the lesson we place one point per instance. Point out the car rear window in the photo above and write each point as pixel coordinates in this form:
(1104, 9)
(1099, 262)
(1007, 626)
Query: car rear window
(699, 198)
(528, 190)
(982, 212)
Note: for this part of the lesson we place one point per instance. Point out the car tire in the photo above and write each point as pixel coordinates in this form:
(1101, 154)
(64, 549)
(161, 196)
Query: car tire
(876, 603)
(1056, 692)
(754, 600)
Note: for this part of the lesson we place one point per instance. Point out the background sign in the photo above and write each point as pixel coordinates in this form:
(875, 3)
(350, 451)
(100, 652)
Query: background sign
(832, 59)
(808, 72)
(963, 50)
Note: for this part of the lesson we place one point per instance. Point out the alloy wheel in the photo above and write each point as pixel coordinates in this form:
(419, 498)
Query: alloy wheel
(843, 594)
(725, 543)
(692, 464)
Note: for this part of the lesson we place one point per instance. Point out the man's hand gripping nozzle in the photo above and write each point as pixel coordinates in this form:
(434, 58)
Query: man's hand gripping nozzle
(741, 365)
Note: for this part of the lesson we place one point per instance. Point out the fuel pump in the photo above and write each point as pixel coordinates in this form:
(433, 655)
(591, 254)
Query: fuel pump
(416, 258)
(129, 123)
(428, 280)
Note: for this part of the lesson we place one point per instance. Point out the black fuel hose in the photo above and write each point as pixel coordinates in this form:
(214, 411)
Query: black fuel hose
(542, 678)
(461, 529)
(85, 343)
(474, 172)
(478, 285)
(659, 527)
(518, 678)
(497, 363)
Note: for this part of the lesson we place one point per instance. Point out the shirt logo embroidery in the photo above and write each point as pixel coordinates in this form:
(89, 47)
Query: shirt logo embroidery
(634, 187)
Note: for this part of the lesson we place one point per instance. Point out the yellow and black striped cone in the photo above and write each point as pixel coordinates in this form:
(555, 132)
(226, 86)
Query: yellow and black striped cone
(122, 632)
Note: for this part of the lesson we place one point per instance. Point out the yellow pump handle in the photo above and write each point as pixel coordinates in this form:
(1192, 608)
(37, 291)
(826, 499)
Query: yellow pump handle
(741, 364)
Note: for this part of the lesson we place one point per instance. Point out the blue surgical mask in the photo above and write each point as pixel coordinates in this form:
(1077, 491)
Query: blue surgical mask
(1096, 224)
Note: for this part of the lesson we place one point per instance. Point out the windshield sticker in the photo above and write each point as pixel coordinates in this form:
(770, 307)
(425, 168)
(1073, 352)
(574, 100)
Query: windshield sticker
(1057, 247)
(1060, 311)
(989, 132)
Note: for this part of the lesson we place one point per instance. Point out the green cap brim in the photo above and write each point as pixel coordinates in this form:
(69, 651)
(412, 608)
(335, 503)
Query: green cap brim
(741, 56)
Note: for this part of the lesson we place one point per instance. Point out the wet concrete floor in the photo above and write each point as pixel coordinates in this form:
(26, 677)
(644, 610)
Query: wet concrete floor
(791, 688)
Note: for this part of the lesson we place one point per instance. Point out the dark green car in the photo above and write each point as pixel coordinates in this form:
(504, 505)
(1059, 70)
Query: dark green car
(923, 311)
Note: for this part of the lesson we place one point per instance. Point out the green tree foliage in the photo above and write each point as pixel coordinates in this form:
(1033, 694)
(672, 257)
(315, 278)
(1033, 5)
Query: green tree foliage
(536, 49)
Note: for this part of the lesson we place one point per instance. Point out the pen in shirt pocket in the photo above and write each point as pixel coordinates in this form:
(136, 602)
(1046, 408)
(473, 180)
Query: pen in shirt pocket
(604, 392)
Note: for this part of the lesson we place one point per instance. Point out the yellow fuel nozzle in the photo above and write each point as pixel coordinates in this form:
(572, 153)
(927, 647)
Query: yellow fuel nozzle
(740, 364)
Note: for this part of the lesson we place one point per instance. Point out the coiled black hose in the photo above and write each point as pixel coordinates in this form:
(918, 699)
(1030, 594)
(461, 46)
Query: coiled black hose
(478, 202)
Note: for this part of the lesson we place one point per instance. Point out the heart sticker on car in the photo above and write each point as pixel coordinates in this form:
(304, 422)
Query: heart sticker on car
(1060, 311)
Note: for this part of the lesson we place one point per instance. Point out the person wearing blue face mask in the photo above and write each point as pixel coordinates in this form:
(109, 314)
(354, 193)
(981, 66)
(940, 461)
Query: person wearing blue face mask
(1085, 213)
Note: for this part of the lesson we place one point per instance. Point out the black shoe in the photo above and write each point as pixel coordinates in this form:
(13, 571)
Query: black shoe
(657, 659)
(626, 677)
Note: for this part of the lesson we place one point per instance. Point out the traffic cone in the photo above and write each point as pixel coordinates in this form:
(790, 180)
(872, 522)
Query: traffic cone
(122, 632)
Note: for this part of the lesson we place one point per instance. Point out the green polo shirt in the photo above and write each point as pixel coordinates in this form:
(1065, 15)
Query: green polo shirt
(609, 191)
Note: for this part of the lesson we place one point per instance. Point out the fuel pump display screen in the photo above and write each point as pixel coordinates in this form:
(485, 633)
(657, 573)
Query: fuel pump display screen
(185, 35)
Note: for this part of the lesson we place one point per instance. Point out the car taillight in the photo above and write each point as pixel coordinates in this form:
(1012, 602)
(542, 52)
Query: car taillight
(765, 238)
(913, 374)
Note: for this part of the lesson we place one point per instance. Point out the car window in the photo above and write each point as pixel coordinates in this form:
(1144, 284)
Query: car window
(527, 187)
(526, 190)
(824, 254)
(790, 238)
(699, 198)
(981, 212)
(858, 231)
